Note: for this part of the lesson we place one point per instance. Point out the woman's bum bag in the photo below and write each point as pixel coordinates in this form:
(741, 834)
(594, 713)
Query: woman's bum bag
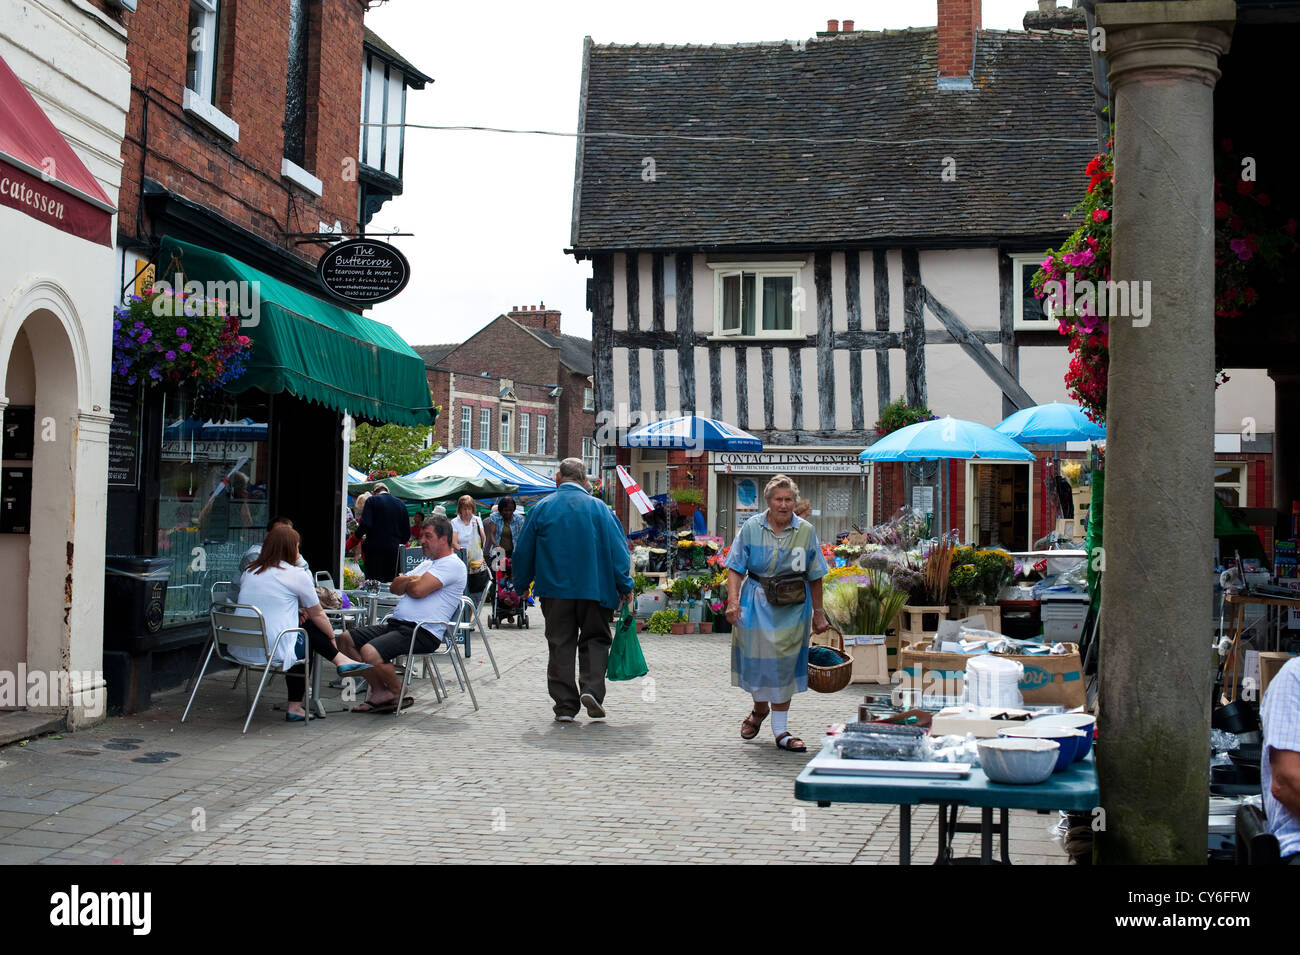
(784, 590)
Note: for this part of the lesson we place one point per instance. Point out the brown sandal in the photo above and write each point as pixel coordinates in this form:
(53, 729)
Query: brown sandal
(752, 723)
(789, 740)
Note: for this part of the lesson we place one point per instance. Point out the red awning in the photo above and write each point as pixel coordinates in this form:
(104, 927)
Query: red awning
(40, 175)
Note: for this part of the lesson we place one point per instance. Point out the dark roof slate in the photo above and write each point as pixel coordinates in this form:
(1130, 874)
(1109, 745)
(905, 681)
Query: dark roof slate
(575, 352)
(432, 354)
(414, 76)
(863, 85)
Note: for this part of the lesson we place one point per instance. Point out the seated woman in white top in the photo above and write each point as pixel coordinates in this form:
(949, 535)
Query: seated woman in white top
(286, 597)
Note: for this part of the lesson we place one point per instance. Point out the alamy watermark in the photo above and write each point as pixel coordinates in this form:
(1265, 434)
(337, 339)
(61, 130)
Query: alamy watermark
(35, 689)
(1131, 299)
(181, 298)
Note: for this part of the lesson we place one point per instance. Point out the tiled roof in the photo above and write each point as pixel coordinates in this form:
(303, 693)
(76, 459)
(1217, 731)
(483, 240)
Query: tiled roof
(858, 86)
(414, 76)
(575, 352)
(432, 354)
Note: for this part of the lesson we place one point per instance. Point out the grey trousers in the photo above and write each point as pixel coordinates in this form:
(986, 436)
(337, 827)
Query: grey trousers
(582, 626)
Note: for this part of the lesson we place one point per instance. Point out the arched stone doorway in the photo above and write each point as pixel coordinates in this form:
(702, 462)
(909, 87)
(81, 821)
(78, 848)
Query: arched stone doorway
(51, 644)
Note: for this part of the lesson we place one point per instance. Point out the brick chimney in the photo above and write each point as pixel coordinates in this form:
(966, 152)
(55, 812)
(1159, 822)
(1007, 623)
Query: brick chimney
(958, 22)
(533, 316)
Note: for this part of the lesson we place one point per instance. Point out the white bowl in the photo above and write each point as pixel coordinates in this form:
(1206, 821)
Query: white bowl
(1017, 760)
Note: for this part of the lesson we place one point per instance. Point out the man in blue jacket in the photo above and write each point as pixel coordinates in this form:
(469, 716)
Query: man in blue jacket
(574, 551)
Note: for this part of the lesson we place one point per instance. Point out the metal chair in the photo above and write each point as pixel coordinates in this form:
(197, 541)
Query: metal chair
(325, 579)
(480, 598)
(231, 628)
(449, 646)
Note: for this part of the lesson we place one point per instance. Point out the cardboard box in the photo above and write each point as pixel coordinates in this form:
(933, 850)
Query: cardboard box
(985, 724)
(1049, 680)
(1270, 661)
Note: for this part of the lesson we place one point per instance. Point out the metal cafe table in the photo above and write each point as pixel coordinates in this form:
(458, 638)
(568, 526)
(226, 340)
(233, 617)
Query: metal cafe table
(1074, 789)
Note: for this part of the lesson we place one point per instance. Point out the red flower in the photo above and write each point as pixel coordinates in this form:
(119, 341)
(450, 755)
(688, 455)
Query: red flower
(1245, 187)
(1263, 199)
(1235, 223)
(1250, 294)
(1221, 209)
(1098, 215)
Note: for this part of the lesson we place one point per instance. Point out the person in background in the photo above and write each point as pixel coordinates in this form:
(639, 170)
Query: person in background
(574, 551)
(1279, 762)
(803, 509)
(285, 595)
(417, 522)
(384, 525)
(769, 644)
(468, 529)
(353, 544)
(503, 526)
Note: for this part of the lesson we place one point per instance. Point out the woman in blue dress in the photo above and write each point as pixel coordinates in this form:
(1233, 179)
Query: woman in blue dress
(769, 644)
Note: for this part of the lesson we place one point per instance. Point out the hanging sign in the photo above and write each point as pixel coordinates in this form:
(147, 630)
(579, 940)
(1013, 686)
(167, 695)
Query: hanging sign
(363, 271)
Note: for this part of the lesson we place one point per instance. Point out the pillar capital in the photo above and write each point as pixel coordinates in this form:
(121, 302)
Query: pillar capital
(1171, 40)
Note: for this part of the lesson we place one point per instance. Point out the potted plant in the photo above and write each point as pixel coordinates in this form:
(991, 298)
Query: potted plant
(662, 621)
(862, 606)
(166, 336)
(899, 414)
(936, 567)
(687, 500)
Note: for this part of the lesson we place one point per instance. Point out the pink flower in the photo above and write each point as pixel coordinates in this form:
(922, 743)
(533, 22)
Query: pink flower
(170, 355)
(186, 346)
(1100, 215)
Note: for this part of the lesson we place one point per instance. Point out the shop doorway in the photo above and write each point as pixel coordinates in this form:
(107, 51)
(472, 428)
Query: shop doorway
(998, 504)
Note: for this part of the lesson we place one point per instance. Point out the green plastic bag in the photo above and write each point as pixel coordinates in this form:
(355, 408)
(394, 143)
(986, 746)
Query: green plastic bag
(626, 662)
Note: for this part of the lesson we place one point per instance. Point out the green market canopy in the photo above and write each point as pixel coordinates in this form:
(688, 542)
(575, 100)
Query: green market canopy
(437, 488)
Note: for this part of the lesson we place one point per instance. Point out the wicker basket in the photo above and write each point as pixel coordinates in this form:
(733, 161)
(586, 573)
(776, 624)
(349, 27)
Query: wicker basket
(832, 679)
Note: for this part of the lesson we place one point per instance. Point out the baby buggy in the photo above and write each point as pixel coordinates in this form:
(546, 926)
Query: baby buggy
(508, 604)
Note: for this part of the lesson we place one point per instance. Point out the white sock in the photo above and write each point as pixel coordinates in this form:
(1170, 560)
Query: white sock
(779, 720)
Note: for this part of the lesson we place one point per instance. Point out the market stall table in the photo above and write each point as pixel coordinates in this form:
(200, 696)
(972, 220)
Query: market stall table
(1073, 790)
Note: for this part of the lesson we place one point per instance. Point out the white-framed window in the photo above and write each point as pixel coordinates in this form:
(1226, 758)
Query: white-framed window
(590, 456)
(466, 426)
(485, 429)
(1031, 314)
(758, 301)
(202, 45)
(507, 429)
(588, 399)
(523, 432)
(1230, 483)
(541, 434)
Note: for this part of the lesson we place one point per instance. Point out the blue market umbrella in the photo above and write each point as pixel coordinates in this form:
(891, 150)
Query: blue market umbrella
(941, 439)
(692, 433)
(1051, 424)
(945, 438)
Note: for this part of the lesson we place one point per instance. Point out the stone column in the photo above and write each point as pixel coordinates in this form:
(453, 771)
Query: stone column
(1155, 668)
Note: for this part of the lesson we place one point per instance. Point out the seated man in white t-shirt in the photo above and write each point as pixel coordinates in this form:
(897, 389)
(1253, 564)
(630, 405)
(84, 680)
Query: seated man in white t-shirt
(431, 591)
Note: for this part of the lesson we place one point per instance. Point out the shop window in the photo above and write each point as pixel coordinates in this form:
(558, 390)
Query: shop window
(1230, 483)
(212, 498)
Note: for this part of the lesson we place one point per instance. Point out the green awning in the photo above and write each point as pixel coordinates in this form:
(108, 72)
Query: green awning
(438, 488)
(312, 349)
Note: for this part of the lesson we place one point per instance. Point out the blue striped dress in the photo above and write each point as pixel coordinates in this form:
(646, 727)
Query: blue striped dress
(769, 647)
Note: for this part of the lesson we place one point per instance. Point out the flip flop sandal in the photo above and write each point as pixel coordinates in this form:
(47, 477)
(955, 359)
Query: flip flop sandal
(749, 721)
(790, 739)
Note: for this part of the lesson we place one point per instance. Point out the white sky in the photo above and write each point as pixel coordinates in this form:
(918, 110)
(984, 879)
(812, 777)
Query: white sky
(491, 212)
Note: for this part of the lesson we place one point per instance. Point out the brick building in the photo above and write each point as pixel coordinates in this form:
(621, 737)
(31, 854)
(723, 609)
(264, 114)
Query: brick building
(258, 130)
(517, 386)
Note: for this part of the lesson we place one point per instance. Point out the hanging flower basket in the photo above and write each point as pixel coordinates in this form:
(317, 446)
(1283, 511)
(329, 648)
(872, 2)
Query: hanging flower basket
(170, 337)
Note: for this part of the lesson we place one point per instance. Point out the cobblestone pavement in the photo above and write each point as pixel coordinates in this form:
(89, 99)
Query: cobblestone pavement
(665, 779)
